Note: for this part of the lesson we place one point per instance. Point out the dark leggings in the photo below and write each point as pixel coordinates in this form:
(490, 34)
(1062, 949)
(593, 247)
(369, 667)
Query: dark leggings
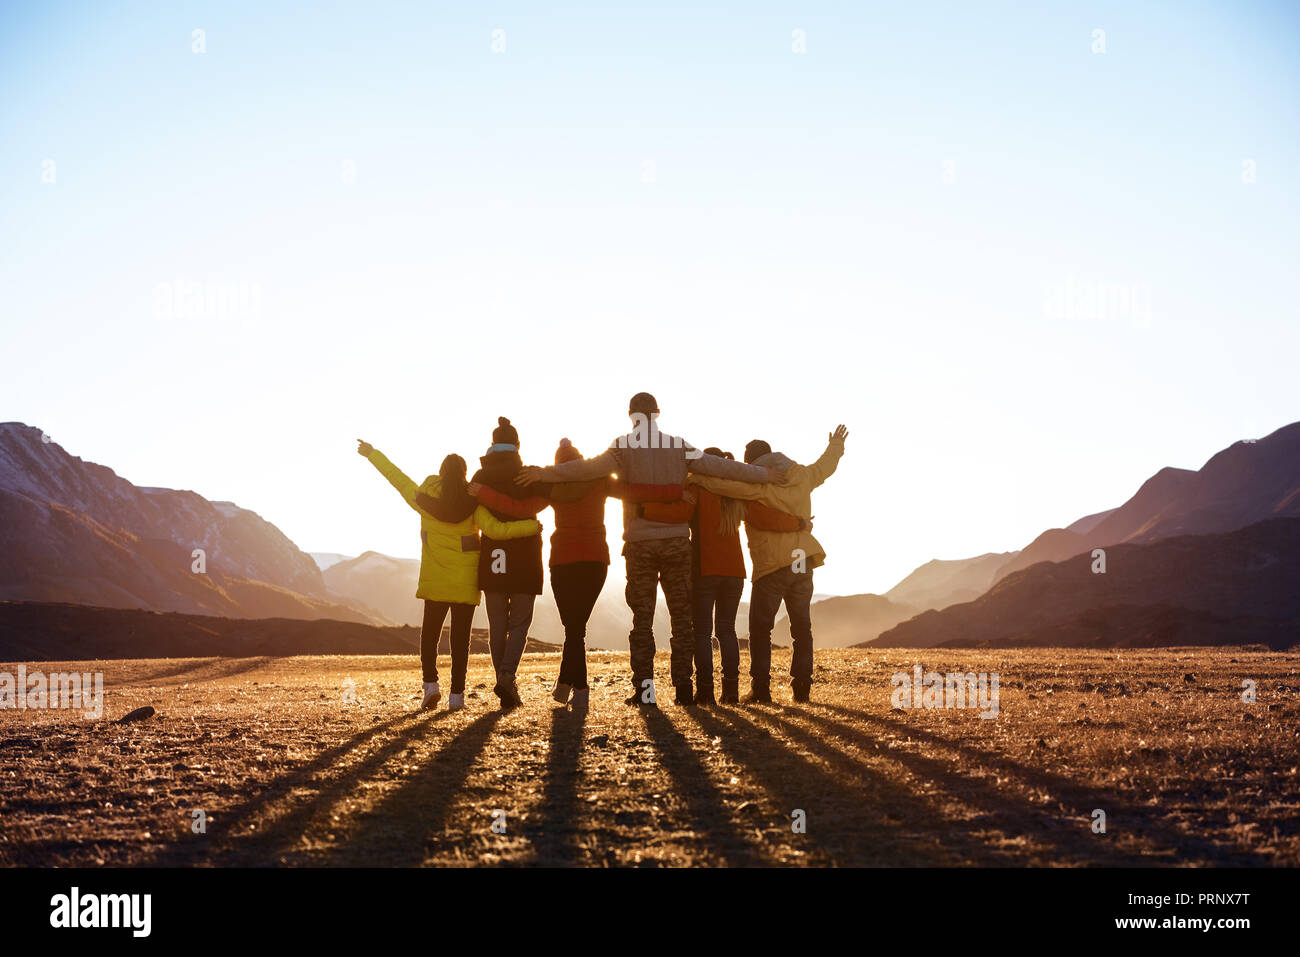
(462, 618)
(576, 587)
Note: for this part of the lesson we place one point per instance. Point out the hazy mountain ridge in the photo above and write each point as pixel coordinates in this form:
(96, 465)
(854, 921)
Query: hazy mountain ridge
(844, 620)
(942, 582)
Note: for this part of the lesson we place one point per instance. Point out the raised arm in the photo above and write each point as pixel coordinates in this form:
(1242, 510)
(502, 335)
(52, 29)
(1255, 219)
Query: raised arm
(396, 477)
(493, 527)
(825, 466)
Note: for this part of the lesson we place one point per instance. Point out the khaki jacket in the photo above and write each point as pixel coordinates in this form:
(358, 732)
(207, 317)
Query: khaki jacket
(772, 551)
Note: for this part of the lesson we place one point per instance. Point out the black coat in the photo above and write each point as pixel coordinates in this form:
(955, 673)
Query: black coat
(521, 557)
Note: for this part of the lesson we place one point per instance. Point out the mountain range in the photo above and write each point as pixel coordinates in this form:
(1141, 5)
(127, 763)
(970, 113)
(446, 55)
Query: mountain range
(1247, 482)
(74, 531)
(1235, 587)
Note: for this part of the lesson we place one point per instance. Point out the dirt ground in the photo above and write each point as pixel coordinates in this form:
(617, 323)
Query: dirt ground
(264, 762)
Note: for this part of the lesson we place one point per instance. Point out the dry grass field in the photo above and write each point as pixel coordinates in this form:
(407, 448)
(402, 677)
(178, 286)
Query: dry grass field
(286, 772)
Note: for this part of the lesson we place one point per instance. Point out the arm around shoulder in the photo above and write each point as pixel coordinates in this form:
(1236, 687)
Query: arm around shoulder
(493, 527)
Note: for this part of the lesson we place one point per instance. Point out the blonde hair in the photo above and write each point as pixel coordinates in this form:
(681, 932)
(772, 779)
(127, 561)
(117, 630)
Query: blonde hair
(731, 515)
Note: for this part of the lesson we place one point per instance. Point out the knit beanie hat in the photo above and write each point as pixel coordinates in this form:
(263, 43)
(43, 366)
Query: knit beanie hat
(566, 452)
(504, 433)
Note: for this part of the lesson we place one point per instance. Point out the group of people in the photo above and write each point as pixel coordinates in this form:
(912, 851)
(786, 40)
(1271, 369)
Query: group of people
(682, 512)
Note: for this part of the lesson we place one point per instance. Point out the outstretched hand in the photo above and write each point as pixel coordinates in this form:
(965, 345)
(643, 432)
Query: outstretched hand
(840, 433)
(364, 448)
(529, 475)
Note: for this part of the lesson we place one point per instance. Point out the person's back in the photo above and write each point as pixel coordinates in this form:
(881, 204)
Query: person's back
(450, 524)
(513, 566)
(783, 560)
(579, 534)
(650, 462)
(510, 572)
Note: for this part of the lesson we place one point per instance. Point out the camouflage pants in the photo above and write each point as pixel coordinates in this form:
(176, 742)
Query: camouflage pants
(667, 562)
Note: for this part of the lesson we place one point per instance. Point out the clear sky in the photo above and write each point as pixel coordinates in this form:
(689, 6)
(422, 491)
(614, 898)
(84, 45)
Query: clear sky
(1026, 274)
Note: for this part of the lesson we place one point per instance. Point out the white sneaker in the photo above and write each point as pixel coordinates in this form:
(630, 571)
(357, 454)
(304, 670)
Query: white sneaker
(562, 692)
(455, 702)
(432, 695)
(581, 700)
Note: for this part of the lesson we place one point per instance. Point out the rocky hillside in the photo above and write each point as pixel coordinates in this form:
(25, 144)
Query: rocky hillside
(1247, 482)
(1237, 587)
(75, 531)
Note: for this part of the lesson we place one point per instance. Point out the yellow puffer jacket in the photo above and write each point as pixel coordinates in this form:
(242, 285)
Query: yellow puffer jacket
(772, 551)
(449, 558)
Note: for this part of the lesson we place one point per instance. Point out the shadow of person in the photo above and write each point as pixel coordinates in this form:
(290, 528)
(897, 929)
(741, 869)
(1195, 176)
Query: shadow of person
(236, 836)
(707, 810)
(855, 817)
(1076, 798)
(396, 832)
(553, 829)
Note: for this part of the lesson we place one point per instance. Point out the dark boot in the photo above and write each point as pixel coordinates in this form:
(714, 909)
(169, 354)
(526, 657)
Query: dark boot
(637, 698)
(683, 695)
(704, 696)
(801, 688)
(760, 692)
(508, 692)
(730, 691)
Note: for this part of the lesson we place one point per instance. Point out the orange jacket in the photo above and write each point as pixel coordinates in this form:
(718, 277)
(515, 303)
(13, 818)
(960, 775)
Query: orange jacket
(716, 553)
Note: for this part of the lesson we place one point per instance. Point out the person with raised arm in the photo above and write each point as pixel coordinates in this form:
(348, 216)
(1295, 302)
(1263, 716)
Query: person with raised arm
(718, 574)
(783, 561)
(450, 522)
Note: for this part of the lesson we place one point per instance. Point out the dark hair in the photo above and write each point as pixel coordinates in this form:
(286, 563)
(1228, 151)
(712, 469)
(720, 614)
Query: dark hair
(452, 472)
(454, 503)
(642, 402)
(756, 450)
(504, 433)
(714, 450)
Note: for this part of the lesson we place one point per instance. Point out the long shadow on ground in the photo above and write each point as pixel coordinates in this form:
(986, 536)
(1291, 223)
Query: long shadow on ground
(552, 831)
(868, 820)
(231, 842)
(693, 787)
(1077, 798)
(398, 830)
